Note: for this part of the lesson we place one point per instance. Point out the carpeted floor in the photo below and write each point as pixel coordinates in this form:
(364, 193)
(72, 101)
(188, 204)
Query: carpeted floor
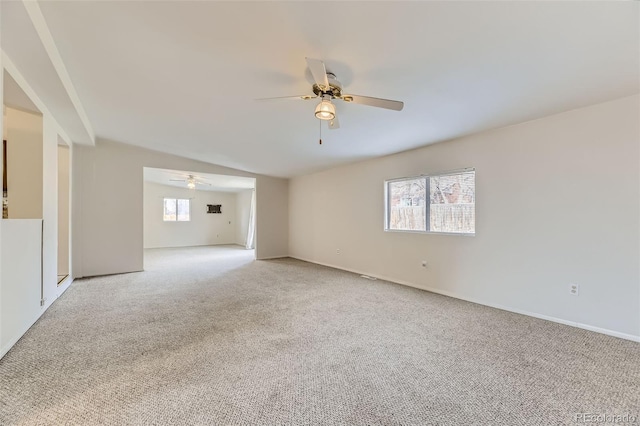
(203, 340)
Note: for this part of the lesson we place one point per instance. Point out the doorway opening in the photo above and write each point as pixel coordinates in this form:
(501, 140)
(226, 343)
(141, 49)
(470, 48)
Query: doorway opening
(22, 274)
(187, 209)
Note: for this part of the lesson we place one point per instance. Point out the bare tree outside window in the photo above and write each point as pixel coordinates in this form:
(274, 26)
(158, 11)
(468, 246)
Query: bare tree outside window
(442, 203)
(452, 203)
(407, 200)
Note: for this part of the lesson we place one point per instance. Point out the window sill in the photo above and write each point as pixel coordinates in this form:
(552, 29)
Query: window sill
(406, 231)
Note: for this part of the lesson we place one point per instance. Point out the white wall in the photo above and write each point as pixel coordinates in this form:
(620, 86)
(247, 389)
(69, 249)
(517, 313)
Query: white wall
(27, 300)
(108, 239)
(272, 218)
(243, 210)
(20, 274)
(23, 240)
(24, 164)
(63, 209)
(203, 228)
(557, 202)
(28, 308)
(50, 211)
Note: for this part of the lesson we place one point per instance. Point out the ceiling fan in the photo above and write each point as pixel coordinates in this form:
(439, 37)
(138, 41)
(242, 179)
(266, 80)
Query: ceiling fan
(192, 181)
(327, 88)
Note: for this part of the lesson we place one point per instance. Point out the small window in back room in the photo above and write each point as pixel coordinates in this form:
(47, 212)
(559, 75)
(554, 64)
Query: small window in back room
(176, 209)
(442, 203)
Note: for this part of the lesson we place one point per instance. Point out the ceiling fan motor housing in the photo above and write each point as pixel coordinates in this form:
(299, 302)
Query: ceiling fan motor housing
(334, 90)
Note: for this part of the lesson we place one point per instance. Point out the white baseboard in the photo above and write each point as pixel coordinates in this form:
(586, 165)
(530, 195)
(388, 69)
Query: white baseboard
(61, 289)
(14, 340)
(275, 257)
(64, 286)
(229, 243)
(600, 330)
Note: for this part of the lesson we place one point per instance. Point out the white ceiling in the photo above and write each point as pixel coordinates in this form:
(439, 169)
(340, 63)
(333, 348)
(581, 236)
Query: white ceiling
(181, 77)
(219, 183)
(22, 45)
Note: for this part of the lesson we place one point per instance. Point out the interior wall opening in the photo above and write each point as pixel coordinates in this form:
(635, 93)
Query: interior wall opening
(22, 163)
(214, 215)
(21, 265)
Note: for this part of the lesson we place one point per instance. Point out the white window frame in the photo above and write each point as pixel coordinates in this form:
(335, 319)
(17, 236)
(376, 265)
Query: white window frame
(188, 200)
(387, 203)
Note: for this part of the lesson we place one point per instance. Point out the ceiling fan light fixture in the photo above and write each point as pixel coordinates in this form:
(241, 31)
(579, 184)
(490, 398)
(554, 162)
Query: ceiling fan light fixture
(325, 110)
(191, 183)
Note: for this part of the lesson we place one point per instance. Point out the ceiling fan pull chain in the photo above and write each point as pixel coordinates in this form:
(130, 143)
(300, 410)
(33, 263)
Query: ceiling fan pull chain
(320, 122)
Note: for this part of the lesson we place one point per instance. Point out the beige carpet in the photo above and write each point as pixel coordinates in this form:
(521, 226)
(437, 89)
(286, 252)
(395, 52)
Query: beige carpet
(203, 340)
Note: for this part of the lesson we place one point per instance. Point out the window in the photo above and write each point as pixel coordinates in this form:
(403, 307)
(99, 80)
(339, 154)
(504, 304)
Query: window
(176, 209)
(442, 203)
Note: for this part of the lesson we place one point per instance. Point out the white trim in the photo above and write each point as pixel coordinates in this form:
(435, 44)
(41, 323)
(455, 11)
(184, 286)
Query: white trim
(425, 177)
(281, 257)
(588, 327)
(10, 67)
(61, 289)
(409, 231)
(41, 27)
(66, 283)
(9, 345)
(14, 340)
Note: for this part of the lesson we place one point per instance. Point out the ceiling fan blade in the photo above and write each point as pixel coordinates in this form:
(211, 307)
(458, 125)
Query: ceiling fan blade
(374, 102)
(177, 180)
(203, 183)
(303, 97)
(319, 72)
(334, 124)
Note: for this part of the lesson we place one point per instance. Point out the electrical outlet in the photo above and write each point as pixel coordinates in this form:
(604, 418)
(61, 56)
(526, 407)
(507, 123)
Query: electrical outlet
(574, 289)
(424, 263)
(337, 251)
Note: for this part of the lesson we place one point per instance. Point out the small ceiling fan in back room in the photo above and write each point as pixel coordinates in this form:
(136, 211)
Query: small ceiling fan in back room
(192, 181)
(327, 88)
